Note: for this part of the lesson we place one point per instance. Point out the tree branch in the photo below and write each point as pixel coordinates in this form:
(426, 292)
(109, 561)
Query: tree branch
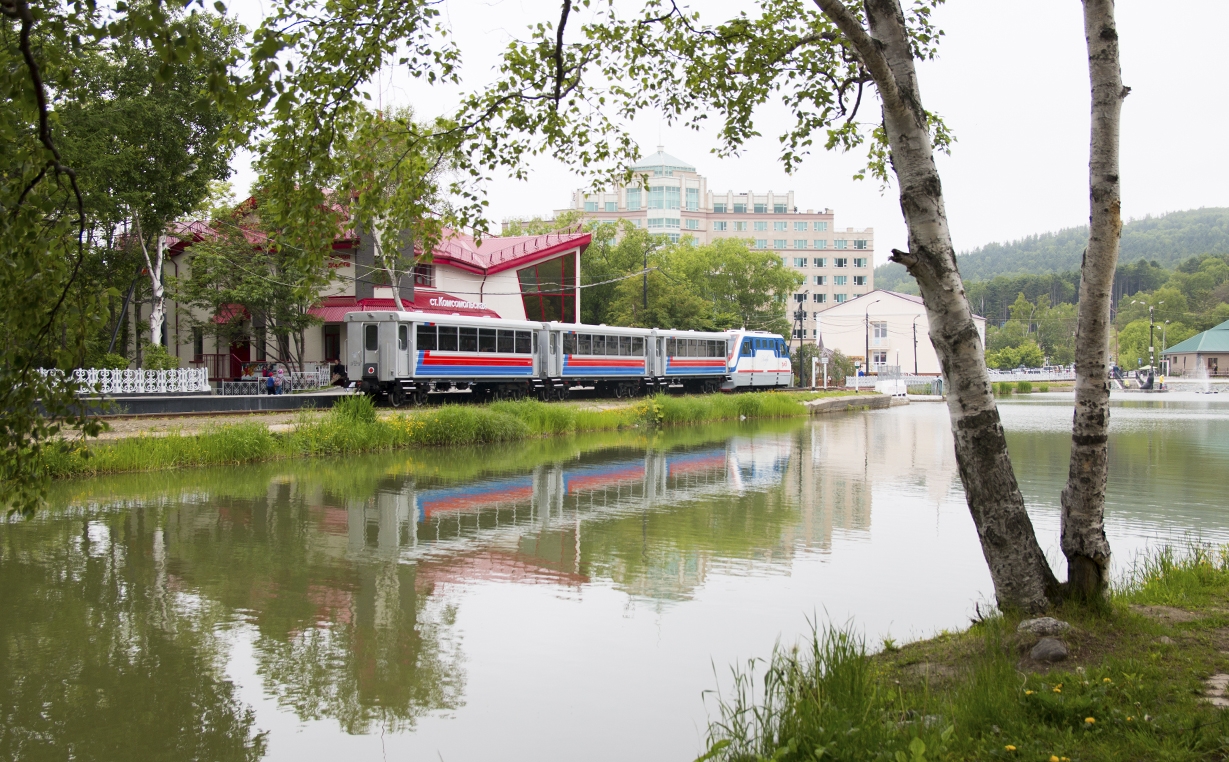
(563, 22)
(868, 50)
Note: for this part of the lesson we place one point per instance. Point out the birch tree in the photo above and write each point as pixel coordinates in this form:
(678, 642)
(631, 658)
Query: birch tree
(157, 287)
(1083, 498)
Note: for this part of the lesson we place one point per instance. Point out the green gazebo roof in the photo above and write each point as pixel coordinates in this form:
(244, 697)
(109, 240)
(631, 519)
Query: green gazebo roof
(1214, 339)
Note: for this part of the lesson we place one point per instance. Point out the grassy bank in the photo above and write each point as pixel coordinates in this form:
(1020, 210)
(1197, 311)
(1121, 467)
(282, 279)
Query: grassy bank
(1131, 689)
(353, 426)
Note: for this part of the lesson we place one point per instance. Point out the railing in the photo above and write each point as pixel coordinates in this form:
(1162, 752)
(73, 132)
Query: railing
(215, 365)
(859, 382)
(293, 382)
(236, 388)
(113, 381)
(1033, 374)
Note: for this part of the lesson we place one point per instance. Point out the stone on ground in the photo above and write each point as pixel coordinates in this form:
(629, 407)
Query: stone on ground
(1049, 649)
(1045, 625)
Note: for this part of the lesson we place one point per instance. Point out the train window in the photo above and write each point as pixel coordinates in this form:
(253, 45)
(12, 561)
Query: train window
(716, 349)
(625, 346)
(506, 342)
(747, 351)
(535, 341)
(403, 337)
(552, 344)
(782, 349)
(660, 343)
(569, 343)
(599, 345)
(671, 345)
(486, 339)
(426, 338)
(523, 343)
(468, 339)
(638, 346)
(448, 338)
(371, 337)
(584, 344)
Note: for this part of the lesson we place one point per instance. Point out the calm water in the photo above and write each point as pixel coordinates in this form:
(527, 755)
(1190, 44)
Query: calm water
(565, 600)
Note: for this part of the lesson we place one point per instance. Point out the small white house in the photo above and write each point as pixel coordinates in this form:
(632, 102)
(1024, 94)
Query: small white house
(889, 327)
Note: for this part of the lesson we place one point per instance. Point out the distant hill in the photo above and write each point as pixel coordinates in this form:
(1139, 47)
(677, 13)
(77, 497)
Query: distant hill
(1167, 240)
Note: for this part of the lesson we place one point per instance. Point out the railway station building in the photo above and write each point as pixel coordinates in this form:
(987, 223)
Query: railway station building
(517, 278)
(671, 198)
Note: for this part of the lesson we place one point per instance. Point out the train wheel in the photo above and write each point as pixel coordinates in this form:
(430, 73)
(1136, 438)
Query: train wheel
(420, 398)
(396, 396)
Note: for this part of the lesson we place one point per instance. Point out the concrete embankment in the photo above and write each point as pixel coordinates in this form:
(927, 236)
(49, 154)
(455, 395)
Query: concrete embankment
(854, 402)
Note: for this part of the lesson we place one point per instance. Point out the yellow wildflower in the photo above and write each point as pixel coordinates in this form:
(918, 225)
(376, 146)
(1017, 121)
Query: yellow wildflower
(1090, 720)
(1058, 689)
(1130, 719)
(1029, 693)
(1009, 747)
(1106, 680)
(1054, 758)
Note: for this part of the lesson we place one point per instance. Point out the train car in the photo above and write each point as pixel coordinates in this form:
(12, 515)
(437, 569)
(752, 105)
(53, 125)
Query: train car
(758, 359)
(403, 356)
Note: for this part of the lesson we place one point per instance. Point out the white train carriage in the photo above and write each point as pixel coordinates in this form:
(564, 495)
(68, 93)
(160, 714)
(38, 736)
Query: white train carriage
(407, 355)
(758, 359)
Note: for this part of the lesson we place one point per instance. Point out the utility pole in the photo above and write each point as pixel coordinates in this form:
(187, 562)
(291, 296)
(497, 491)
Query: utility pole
(645, 284)
(866, 359)
(1151, 345)
(915, 344)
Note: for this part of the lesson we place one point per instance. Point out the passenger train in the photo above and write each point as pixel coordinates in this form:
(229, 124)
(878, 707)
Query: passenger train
(404, 356)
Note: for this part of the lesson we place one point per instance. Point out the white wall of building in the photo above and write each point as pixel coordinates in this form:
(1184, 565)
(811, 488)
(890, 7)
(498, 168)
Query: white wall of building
(888, 319)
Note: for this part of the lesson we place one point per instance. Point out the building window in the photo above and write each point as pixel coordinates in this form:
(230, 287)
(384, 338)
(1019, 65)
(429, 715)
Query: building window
(859, 243)
(800, 226)
(424, 275)
(548, 289)
(781, 225)
(840, 298)
(800, 333)
(719, 208)
(693, 199)
(674, 237)
(821, 280)
(879, 330)
(740, 225)
(332, 343)
(718, 224)
(820, 227)
(879, 359)
(778, 243)
(657, 197)
(657, 222)
(693, 224)
(761, 225)
(761, 243)
(800, 261)
(839, 280)
(761, 208)
(821, 243)
(612, 206)
(840, 243)
(672, 197)
(633, 199)
(859, 261)
(800, 243)
(740, 209)
(198, 343)
(819, 262)
(590, 206)
(840, 262)
(859, 280)
(779, 209)
(821, 298)
(800, 298)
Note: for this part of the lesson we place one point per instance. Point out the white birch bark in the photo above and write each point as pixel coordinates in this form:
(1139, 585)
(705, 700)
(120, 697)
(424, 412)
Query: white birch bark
(157, 313)
(393, 282)
(1083, 499)
(1022, 577)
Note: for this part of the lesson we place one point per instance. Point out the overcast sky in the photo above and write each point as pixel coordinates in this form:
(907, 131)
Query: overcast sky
(1011, 81)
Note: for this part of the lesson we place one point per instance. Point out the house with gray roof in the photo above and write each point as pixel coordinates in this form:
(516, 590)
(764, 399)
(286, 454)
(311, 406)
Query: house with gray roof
(1206, 352)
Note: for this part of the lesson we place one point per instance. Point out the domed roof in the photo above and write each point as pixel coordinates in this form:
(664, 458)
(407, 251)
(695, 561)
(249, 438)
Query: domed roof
(663, 160)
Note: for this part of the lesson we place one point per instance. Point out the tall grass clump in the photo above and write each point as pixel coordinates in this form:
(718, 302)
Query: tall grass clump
(1024, 387)
(1167, 577)
(1002, 388)
(1043, 388)
(220, 446)
(824, 701)
(540, 417)
(459, 425)
(665, 410)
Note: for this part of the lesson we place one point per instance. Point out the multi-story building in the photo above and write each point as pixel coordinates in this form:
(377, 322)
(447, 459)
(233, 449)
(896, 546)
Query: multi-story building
(676, 201)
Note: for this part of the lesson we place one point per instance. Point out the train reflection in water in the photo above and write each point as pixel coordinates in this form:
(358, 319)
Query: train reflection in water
(417, 521)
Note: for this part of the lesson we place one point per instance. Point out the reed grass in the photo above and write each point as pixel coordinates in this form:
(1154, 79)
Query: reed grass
(354, 426)
(1024, 387)
(1127, 693)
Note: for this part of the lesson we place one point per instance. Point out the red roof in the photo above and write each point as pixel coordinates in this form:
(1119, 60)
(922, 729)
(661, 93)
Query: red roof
(502, 253)
(335, 308)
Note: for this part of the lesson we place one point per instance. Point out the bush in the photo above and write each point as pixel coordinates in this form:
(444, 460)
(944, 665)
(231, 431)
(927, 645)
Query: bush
(1024, 387)
(110, 360)
(157, 358)
(1043, 388)
(358, 408)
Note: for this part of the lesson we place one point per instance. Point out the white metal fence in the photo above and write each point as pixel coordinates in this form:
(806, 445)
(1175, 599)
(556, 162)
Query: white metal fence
(127, 381)
(1034, 374)
(293, 382)
(863, 382)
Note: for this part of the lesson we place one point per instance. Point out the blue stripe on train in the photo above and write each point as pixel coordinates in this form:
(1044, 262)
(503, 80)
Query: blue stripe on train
(473, 370)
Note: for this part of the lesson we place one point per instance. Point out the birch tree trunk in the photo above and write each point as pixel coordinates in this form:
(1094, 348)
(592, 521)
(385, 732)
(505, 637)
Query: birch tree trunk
(393, 281)
(1083, 499)
(157, 312)
(1022, 577)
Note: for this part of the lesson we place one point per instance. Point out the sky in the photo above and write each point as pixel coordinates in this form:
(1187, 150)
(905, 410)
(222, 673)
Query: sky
(1011, 81)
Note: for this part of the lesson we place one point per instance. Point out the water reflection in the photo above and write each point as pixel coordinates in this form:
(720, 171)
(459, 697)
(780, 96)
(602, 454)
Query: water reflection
(517, 602)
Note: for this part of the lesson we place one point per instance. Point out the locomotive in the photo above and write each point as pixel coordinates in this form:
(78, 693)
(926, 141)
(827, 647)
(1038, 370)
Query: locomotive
(404, 356)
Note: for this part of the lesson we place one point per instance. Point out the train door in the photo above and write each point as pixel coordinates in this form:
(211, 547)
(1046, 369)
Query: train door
(745, 361)
(403, 350)
(371, 350)
(659, 364)
(548, 354)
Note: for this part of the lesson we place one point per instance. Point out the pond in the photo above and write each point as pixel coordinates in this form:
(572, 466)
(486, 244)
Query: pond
(563, 599)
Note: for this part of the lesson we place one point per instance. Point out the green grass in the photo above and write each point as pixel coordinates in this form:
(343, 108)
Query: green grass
(353, 426)
(1024, 387)
(1124, 695)
(1043, 388)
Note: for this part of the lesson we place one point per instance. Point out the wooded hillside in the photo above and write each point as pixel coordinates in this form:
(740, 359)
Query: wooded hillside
(1166, 240)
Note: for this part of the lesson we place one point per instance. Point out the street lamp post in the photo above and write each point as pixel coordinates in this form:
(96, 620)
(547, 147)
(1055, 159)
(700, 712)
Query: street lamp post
(915, 343)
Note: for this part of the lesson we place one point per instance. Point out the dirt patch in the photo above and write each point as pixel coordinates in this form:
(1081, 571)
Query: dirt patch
(930, 672)
(1167, 614)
